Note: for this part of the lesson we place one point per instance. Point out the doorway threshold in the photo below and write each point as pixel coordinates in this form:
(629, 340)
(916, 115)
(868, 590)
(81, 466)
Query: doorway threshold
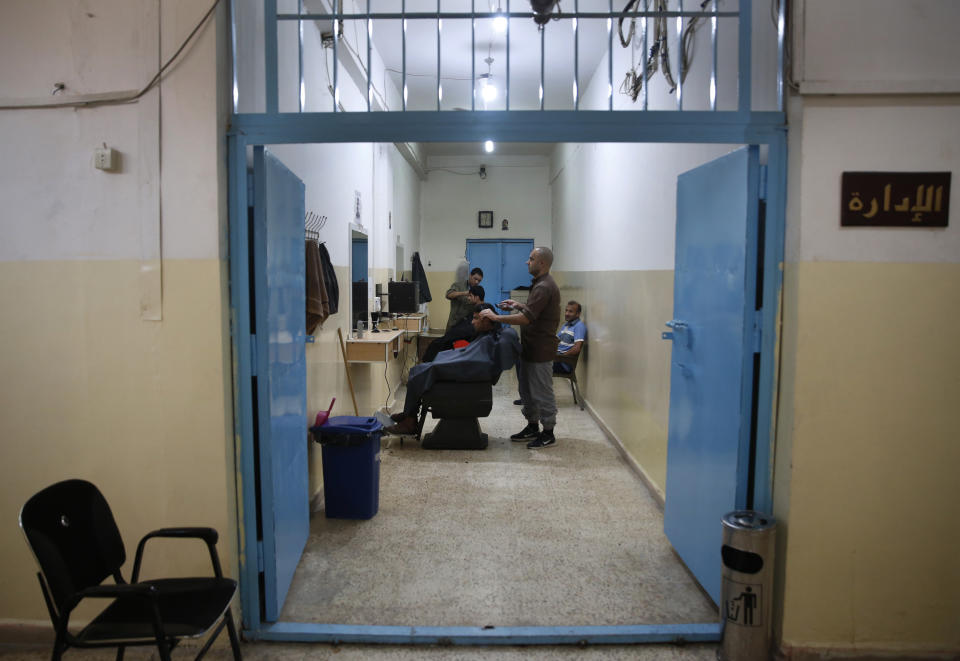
(311, 632)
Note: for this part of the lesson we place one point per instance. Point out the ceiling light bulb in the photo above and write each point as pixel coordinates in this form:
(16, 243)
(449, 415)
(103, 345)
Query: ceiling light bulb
(488, 90)
(500, 23)
(488, 146)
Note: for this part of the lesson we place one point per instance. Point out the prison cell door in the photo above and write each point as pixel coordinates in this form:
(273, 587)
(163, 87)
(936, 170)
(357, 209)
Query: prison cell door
(711, 370)
(279, 302)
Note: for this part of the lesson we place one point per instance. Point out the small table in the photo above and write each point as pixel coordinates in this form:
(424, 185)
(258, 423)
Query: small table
(425, 338)
(373, 347)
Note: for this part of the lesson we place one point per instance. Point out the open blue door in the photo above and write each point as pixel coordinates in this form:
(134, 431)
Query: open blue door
(711, 371)
(281, 375)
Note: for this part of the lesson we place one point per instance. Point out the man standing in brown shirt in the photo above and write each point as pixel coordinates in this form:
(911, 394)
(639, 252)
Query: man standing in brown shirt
(539, 318)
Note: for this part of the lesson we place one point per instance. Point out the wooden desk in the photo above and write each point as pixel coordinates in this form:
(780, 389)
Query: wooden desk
(373, 347)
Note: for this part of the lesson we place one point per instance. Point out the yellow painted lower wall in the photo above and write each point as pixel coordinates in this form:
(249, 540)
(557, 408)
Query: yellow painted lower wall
(867, 458)
(374, 385)
(625, 369)
(438, 310)
(141, 408)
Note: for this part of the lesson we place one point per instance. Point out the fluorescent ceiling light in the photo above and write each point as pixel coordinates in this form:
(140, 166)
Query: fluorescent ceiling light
(488, 146)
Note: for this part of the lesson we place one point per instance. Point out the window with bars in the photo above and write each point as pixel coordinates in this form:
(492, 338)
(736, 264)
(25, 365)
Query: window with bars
(502, 55)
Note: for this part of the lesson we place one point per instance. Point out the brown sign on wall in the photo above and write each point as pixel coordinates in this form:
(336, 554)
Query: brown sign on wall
(894, 199)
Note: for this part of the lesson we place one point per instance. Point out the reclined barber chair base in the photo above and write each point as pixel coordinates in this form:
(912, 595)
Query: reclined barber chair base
(458, 407)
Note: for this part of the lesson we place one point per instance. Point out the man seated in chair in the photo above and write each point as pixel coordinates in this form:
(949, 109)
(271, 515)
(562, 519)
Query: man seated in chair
(463, 330)
(572, 335)
(492, 350)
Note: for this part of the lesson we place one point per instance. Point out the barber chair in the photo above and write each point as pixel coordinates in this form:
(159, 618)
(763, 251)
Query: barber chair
(458, 407)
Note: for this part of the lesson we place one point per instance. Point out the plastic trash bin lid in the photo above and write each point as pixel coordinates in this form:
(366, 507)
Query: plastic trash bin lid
(348, 424)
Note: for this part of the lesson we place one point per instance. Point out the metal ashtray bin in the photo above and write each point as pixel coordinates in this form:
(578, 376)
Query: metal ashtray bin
(747, 553)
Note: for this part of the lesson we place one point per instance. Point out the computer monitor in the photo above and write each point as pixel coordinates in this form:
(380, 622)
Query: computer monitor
(404, 296)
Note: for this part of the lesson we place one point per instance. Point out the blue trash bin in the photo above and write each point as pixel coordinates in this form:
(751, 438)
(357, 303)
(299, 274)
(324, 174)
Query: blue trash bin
(351, 466)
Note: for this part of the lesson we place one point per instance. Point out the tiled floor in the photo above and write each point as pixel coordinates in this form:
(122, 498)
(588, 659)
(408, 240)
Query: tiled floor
(506, 536)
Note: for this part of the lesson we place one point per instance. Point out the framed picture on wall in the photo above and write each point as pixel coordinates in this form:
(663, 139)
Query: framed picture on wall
(485, 219)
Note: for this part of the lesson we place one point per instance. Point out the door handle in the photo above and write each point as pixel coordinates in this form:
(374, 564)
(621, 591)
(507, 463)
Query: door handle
(678, 327)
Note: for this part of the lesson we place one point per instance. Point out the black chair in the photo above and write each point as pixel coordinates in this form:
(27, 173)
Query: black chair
(458, 407)
(73, 535)
(571, 376)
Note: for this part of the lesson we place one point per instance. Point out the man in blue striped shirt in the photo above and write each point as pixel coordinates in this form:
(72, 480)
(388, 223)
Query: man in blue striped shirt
(572, 335)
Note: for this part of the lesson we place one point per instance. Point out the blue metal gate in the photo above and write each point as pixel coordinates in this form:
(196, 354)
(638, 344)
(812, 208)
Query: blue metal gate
(711, 367)
(281, 376)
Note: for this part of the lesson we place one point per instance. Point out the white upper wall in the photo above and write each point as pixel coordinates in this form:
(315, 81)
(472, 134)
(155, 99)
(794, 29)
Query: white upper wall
(516, 188)
(55, 204)
(846, 49)
(884, 135)
(877, 46)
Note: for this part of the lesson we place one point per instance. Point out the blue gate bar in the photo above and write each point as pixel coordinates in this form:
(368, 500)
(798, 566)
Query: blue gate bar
(506, 90)
(745, 33)
(473, 57)
(680, 56)
(336, 61)
(610, 56)
(781, 35)
(439, 24)
(270, 54)
(576, 57)
(301, 91)
(713, 69)
(577, 635)
(369, 51)
(542, 55)
(646, 79)
(516, 126)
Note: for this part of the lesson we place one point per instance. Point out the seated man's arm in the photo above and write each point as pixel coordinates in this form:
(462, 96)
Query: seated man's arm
(572, 351)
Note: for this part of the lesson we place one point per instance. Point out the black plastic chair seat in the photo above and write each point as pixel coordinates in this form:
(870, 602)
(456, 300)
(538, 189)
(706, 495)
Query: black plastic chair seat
(187, 607)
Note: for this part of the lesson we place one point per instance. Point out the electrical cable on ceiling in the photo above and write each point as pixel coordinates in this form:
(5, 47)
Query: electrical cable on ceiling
(129, 98)
(659, 56)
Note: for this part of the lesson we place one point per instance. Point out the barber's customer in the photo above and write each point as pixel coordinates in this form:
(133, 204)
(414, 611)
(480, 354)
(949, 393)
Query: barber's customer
(462, 330)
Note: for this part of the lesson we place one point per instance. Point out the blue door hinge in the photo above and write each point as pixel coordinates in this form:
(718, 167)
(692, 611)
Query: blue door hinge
(253, 355)
(259, 556)
(757, 330)
(762, 193)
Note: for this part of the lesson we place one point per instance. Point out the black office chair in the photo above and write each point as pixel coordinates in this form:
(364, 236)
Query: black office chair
(73, 535)
(571, 376)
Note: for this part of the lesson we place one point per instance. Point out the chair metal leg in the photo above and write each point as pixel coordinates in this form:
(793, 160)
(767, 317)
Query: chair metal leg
(575, 388)
(234, 638)
(120, 650)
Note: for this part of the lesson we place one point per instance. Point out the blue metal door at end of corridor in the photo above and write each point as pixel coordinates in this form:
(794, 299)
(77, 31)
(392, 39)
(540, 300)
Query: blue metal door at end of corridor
(711, 370)
(280, 320)
(504, 264)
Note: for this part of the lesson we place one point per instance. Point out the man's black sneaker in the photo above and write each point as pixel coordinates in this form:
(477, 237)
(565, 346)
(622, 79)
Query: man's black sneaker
(544, 439)
(518, 402)
(529, 432)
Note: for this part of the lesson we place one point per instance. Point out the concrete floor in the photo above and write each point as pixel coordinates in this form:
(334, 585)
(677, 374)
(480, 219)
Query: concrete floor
(507, 536)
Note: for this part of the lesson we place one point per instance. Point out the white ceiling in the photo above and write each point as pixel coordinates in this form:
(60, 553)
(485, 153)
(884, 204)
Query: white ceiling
(456, 53)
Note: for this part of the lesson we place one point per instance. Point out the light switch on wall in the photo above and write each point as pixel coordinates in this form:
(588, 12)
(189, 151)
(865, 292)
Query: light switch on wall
(104, 158)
